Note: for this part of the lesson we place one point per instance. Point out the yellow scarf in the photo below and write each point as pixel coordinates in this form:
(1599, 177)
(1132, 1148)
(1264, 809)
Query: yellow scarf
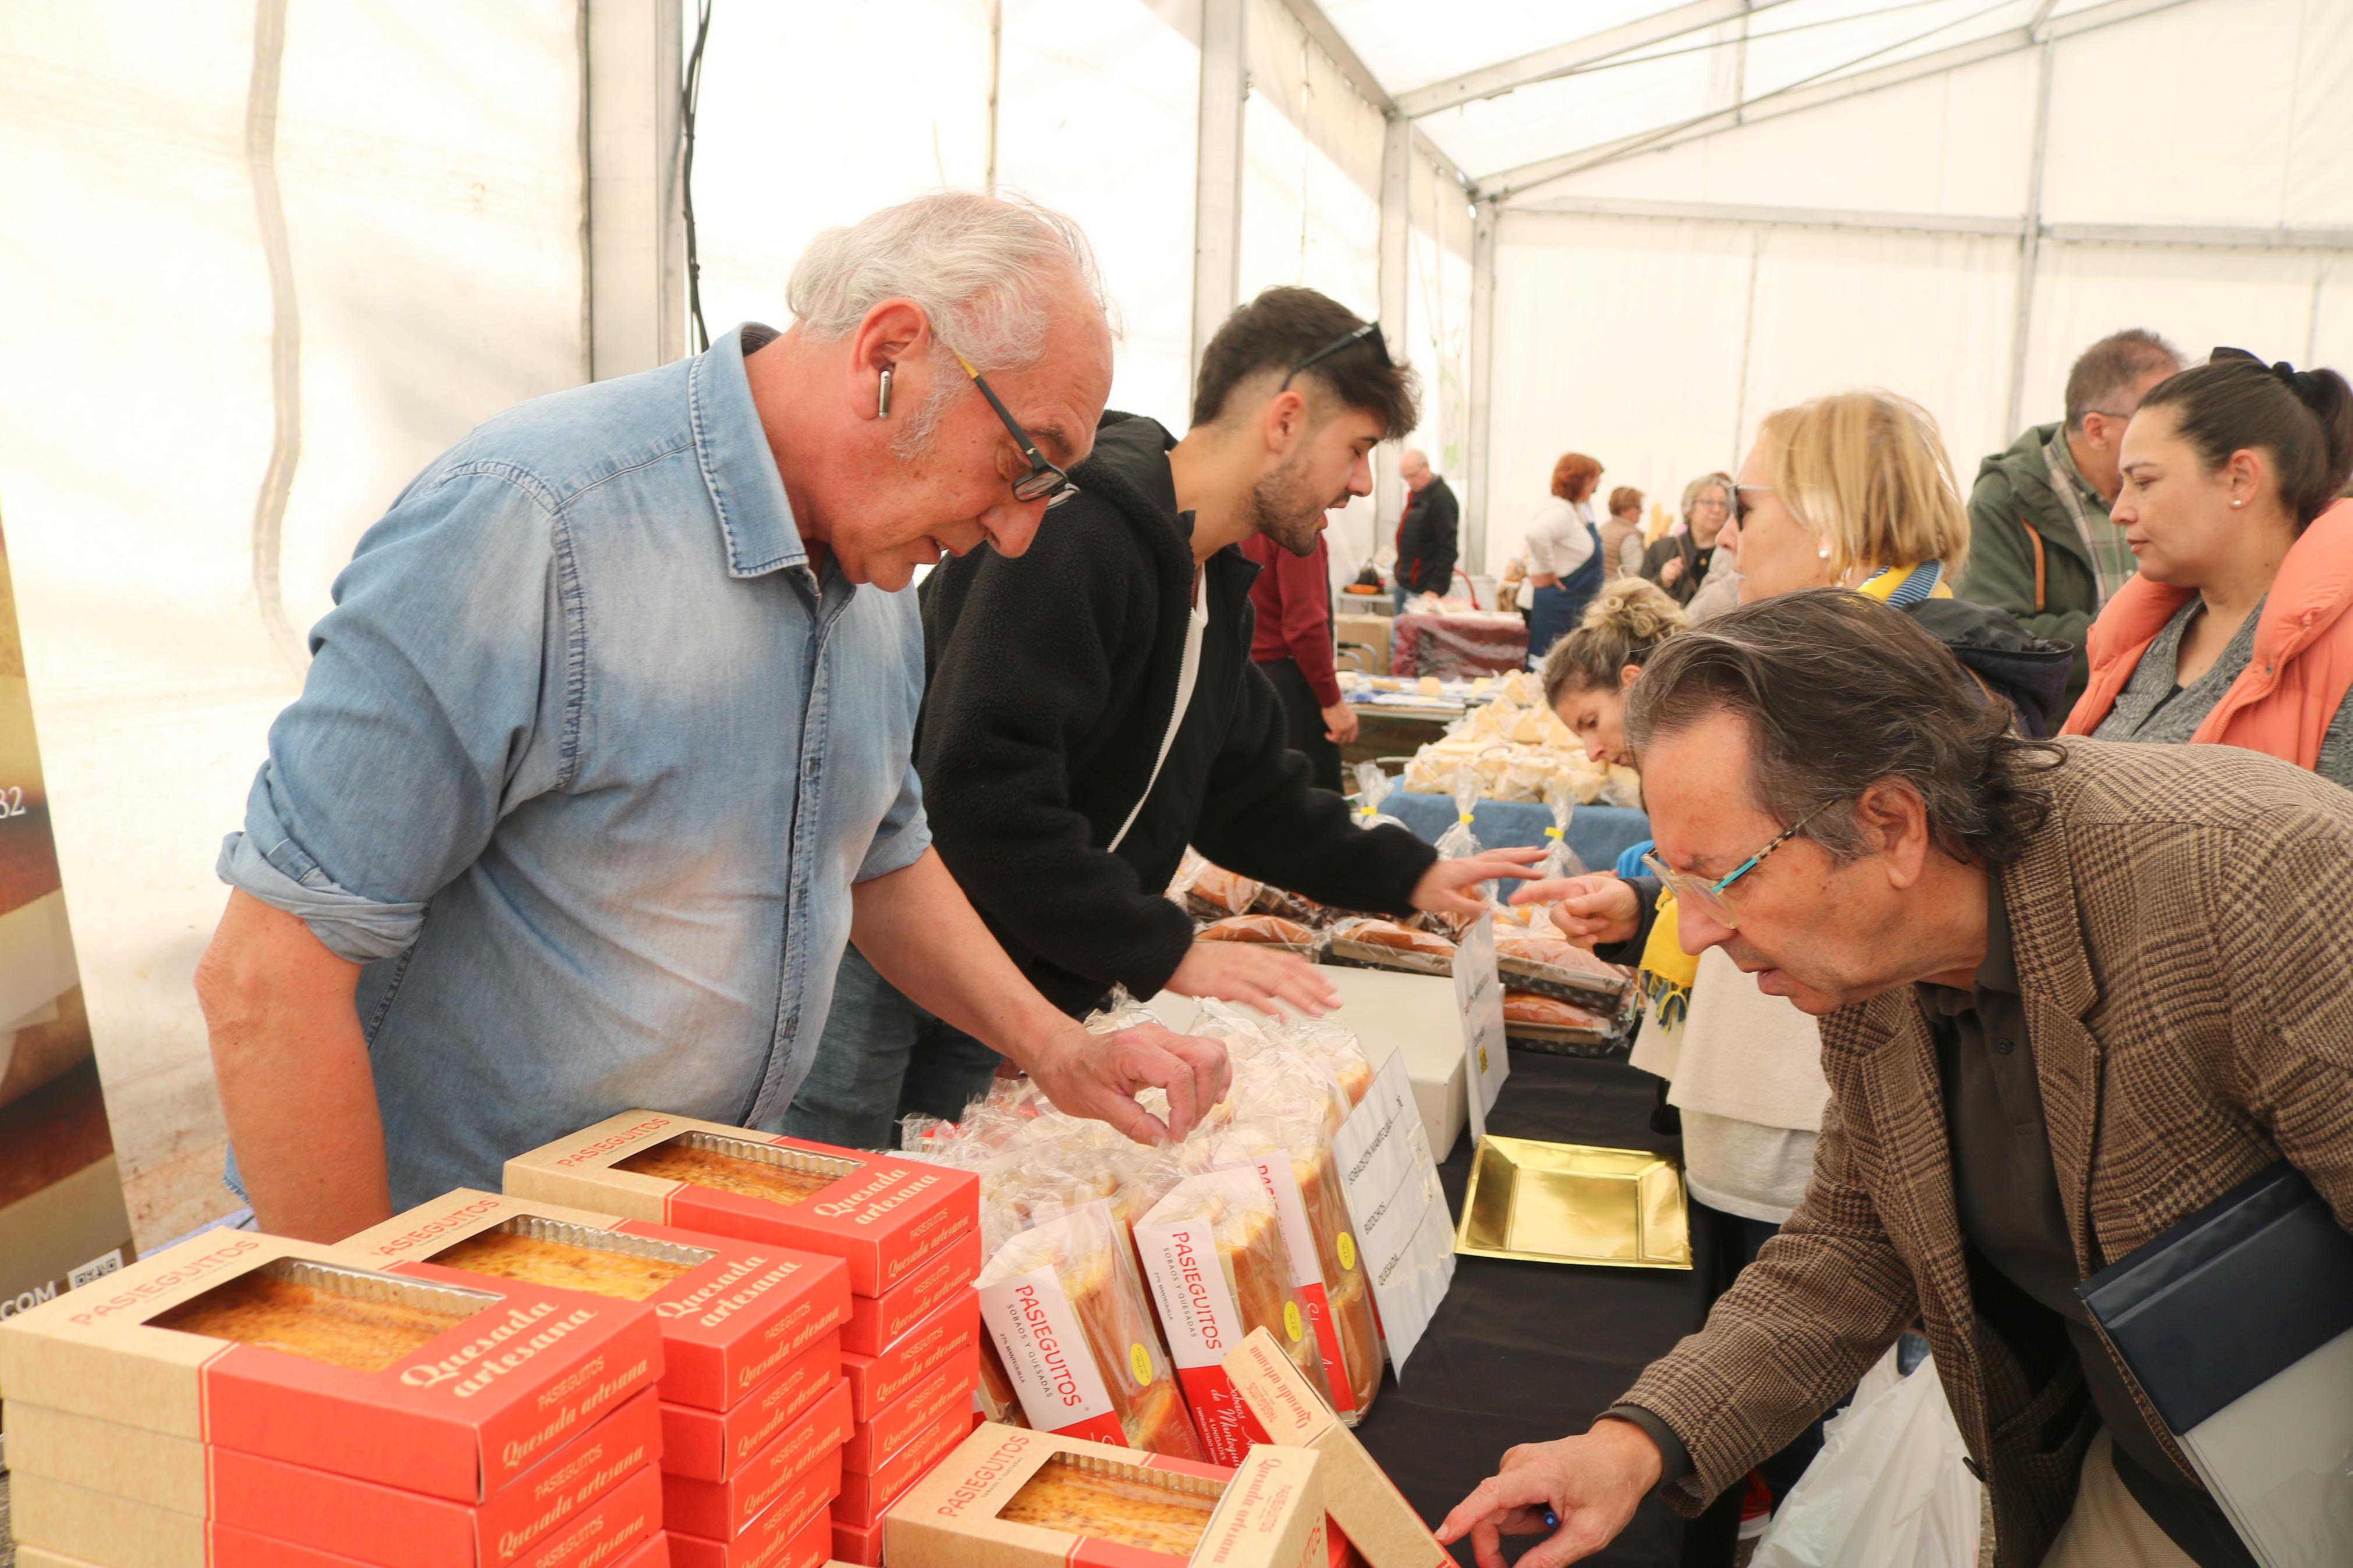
(1667, 971)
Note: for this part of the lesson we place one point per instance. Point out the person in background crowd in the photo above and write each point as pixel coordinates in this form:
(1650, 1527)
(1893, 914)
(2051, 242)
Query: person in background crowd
(1092, 709)
(2042, 543)
(1621, 535)
(1565, 565)
(1586, 673)
(1426, 531)
(591, 780)
(1291, 609)
(2040, 969)
(1678, 562)
(2235, 629)
(1721, 591)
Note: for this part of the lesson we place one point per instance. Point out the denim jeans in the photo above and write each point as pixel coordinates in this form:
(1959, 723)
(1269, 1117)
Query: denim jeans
(881, 1058)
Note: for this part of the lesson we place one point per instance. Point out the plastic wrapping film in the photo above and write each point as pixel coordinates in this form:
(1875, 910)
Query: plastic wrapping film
(1075, 1339)
(1372, 789)
(1268, 931)
(1367, 942)
(1215, 893)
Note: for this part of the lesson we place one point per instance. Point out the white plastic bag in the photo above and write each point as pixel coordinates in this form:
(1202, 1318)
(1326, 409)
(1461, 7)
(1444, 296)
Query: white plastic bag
(1889, 1489)
(1372, 794)
(1459, 842)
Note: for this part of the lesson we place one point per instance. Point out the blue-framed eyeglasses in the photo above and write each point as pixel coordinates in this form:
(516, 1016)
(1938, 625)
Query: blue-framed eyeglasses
(1708, 897)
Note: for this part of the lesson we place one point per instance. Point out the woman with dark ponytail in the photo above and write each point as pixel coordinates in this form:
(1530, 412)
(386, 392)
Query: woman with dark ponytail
(2239, 627)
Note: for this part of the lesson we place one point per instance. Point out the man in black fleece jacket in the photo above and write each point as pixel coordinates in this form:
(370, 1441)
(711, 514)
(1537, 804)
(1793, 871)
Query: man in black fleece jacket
(1063, 777)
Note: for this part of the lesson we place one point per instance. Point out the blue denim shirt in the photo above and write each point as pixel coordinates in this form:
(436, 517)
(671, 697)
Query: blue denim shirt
(584, 770)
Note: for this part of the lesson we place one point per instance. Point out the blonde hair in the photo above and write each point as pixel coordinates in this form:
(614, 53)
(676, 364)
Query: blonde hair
(1627, 620)
(1867, 473)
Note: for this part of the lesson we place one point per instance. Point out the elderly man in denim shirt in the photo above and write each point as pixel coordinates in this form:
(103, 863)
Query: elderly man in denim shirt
(604, 753)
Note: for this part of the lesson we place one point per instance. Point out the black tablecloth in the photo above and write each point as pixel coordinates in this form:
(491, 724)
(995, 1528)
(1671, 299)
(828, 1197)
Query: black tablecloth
(1525, 1353)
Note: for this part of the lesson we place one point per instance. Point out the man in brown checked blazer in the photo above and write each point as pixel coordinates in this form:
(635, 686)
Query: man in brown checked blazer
(2070, 993)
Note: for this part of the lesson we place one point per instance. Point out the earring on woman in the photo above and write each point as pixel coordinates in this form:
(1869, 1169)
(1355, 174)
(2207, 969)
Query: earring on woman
(882, 398)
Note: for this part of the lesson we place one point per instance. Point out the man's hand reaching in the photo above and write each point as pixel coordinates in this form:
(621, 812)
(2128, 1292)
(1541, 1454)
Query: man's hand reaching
(1449, 886)
(1592, 1484)
(1255, 975)
(1098, 1076)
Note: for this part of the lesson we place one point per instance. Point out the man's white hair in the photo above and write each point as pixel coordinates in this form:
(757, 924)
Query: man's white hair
(988, 273)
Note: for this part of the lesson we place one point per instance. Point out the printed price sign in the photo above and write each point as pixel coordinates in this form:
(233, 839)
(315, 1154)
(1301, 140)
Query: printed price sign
(1479, 994)
(1405, 1237)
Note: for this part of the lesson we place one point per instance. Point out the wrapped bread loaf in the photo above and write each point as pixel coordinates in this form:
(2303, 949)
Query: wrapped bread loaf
(1388, 944)
(1272, 930)
(1075, 1339)
(1550, 1012)
(1292, 1155)
(1215, 893)
(1214, 1252)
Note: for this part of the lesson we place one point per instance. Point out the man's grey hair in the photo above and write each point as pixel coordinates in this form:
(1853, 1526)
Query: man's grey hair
(1837, 693)
(2104, 373)
(988, 272)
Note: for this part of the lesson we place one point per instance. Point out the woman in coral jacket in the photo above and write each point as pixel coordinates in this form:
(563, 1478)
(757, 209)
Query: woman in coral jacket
(2239, 628)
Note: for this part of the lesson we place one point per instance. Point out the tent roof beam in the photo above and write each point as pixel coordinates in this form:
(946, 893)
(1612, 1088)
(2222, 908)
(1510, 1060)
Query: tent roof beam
(1508, 76)
(1505, 184)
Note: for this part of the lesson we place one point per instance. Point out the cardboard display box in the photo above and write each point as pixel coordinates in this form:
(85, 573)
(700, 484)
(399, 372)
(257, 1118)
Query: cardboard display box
(179, 1476)
(809, 1452)
(882, 1216)
(876, 1381)
(898, 1422)
(771, 1541)
(480, 1386)
(857, 1548)
(1268, 1514)
(710, 1445)
(641, 1551)
(738, 1313)
(112, 1533)
(876, 1320)
(1366, 1505)
(864, 1496)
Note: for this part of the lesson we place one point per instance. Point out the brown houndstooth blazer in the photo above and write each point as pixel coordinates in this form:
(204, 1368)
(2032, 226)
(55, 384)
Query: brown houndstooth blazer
(2183, 926)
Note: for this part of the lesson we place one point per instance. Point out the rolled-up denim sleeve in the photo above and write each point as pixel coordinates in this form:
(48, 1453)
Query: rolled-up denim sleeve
(442, 693)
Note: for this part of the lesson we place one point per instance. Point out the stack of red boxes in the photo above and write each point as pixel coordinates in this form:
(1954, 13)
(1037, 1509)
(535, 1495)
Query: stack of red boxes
(912, 1355)
(753, 1409)
(908, 1234)
(241, 1401)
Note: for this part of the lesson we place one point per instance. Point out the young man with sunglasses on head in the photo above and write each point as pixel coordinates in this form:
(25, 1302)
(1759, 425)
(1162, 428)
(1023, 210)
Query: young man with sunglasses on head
(604, 752)
(1092, 709)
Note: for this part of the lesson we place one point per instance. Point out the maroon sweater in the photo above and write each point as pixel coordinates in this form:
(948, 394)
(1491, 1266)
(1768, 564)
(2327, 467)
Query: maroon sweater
(1292, 597)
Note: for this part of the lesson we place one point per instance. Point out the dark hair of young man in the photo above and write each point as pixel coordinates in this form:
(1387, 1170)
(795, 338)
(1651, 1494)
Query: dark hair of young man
(1282, 327)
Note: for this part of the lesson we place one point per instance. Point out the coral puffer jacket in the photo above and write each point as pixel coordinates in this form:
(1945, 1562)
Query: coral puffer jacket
(2303, 663)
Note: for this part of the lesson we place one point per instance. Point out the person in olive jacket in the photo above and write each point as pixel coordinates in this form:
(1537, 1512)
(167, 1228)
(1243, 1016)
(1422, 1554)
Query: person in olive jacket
(2041, 544)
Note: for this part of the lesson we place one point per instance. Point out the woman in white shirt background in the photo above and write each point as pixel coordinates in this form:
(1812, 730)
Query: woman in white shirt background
(1565, 564)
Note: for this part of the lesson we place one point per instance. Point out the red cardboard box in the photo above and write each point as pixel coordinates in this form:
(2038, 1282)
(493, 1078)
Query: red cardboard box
(76, 1525)
(882, 1215)
(739, 1313)
(876, 1320)
(459, 1414)
(709, 1445)
(876, 1381)
(863, 1498)
(862, 1547)
(898, 1422)
(771, 1541)
(810, 1450)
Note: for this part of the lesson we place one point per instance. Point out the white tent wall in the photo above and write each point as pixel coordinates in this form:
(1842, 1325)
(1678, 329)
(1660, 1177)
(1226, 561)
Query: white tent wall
(432, 214)
(1651, 308)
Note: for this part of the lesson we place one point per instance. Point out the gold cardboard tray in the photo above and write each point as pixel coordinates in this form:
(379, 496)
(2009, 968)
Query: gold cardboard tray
(1569, 1203)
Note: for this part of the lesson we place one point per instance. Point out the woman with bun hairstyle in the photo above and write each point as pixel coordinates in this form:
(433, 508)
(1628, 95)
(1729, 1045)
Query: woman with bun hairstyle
(2236, 630)
(1586, 673)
